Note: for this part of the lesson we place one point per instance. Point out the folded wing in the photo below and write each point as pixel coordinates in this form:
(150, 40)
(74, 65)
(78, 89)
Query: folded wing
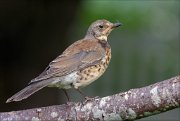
(76, 57)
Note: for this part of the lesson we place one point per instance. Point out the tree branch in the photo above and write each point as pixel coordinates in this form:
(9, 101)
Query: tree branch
(130, 105)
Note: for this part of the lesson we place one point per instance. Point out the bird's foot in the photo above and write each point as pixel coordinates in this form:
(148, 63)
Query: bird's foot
(91, 98)
(87, 99)
(69, 103)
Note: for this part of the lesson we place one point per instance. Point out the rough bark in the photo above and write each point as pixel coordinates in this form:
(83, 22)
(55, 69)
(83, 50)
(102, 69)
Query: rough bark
(130, 105)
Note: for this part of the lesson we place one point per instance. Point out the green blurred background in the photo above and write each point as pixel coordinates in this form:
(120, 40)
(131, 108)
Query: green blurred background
(145, 50)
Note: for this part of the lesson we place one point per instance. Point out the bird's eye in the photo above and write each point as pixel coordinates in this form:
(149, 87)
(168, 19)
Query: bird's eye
(101, 26)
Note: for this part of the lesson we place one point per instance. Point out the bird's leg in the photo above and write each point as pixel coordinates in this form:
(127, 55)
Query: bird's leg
(87, 98)
(65, 92)
(82, 93)
(68, 103)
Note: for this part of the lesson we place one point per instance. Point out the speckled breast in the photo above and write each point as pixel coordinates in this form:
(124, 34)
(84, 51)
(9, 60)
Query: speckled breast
(90, 74)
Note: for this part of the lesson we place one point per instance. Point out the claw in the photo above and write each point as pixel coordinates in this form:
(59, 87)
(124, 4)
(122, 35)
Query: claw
(69, 103)
(87, 99)
(91, 98)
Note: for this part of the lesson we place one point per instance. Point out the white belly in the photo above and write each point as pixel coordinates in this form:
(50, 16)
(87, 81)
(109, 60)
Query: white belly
(82, 78)
(65, 82)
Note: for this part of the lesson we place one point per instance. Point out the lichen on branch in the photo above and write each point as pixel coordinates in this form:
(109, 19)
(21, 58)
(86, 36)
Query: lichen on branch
(130, 105)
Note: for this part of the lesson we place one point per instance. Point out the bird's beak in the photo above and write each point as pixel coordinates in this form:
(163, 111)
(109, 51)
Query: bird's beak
(115, 25)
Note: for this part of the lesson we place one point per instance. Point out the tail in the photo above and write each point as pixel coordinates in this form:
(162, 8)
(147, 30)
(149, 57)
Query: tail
(28, 91)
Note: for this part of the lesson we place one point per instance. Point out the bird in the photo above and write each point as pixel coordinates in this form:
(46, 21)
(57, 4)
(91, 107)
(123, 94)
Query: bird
(79, 65)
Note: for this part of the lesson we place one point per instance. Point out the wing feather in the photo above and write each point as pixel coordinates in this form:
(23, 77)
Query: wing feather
(79, 55)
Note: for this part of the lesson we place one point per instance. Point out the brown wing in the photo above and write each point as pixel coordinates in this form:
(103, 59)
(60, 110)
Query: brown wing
(79, 55)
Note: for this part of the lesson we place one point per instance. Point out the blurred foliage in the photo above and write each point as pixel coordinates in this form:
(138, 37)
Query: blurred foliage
(146, 49)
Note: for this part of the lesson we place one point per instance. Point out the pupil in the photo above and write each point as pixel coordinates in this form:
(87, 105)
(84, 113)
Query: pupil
(100, 26)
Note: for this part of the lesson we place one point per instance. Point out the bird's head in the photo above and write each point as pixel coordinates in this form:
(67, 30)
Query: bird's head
(100, 29)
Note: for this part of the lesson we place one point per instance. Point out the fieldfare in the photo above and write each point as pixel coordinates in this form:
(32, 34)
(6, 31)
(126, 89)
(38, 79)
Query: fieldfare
(79, 65)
